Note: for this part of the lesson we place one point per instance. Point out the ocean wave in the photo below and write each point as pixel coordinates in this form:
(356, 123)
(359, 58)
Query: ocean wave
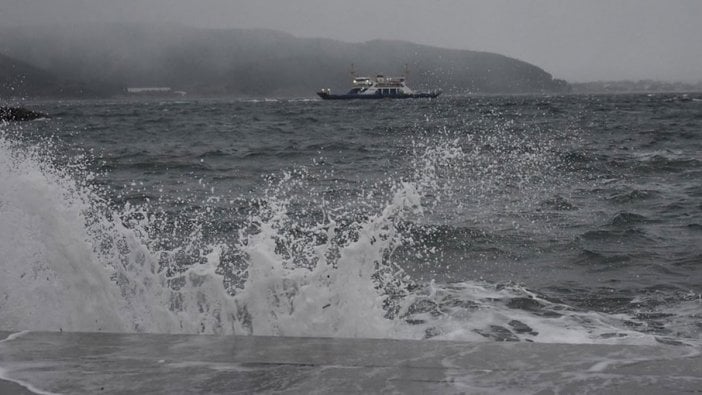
(77, 260)
(624, 219)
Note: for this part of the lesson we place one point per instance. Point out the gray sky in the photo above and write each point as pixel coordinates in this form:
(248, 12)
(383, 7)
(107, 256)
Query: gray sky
(578, 40)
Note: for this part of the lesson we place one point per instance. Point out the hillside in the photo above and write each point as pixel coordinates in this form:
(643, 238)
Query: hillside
(20, 79)
(256, 62)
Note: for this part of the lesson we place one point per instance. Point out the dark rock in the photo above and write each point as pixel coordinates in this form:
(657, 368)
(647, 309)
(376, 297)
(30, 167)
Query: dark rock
(19, 114)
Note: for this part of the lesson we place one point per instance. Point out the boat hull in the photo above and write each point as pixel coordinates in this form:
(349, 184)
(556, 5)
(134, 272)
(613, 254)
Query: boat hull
(353, 96)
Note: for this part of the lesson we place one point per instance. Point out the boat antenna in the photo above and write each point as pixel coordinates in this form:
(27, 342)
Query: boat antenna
(353, 70)
(406, 72)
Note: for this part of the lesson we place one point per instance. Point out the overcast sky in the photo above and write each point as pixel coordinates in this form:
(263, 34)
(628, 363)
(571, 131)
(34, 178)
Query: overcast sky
(578, 40)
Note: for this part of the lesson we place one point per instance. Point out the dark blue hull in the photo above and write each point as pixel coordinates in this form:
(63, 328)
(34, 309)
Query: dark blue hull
(352, 96)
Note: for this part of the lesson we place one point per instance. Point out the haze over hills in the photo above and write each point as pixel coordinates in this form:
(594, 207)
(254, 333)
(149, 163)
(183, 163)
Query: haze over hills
(20, 79)
(110, 57)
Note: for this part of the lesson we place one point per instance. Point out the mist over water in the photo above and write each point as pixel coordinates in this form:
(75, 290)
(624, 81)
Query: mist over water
(560, 219)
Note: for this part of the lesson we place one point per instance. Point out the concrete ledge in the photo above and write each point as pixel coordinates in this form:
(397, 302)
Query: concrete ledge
(8, 387)
(166, 364)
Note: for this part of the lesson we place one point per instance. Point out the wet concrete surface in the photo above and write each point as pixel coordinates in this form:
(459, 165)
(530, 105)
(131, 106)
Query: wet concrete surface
(77, 363)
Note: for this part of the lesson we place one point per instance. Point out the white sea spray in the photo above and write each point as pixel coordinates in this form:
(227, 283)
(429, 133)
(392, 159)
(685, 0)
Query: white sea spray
(73, 261)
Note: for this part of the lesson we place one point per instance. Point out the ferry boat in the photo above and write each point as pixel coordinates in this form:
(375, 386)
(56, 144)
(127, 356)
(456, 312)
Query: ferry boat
(380, 87)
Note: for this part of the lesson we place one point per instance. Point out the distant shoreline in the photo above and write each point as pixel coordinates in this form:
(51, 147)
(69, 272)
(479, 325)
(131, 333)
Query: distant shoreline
(311, 97)
(640, 86)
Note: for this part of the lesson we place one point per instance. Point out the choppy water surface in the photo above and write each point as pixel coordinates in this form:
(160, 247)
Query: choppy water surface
(549, 219)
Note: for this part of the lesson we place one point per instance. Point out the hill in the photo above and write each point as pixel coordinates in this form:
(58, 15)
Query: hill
(20, 79)
(256, 62)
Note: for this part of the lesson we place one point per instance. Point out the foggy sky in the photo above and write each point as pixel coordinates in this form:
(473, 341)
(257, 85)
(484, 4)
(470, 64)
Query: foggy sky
(577, 40)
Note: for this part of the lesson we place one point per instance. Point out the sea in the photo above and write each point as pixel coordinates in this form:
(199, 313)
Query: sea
(527, 218)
